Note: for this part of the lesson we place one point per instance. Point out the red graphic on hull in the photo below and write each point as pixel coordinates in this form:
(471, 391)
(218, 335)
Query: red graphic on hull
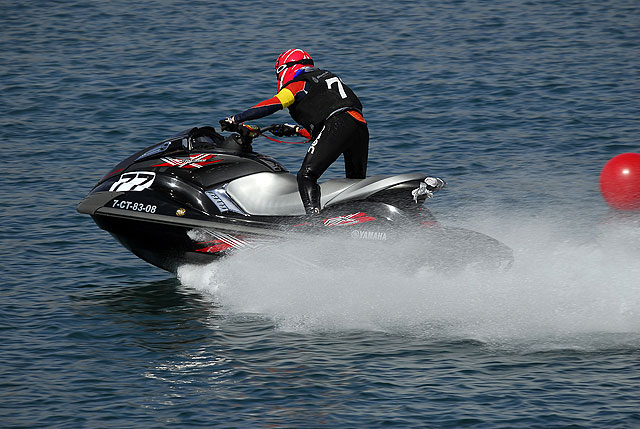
(221, 242)
(193, 161)
(351, 219)
(112, 173)
(214, 246)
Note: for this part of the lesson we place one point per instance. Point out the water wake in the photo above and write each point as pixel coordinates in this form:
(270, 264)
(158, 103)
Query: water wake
(566, 282)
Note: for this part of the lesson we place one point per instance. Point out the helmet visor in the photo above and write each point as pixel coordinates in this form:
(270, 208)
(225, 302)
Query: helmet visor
(283, 67)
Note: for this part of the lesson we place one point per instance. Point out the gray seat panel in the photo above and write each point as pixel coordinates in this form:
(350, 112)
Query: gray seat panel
(276, 194)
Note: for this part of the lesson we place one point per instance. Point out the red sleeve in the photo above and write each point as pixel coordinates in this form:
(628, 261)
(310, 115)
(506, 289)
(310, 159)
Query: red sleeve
(297, 89)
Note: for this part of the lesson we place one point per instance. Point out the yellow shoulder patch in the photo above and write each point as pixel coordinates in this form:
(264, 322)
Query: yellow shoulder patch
(286, 97)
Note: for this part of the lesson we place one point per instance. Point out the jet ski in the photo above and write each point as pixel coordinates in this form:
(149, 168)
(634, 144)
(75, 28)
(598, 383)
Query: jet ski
(199, 196)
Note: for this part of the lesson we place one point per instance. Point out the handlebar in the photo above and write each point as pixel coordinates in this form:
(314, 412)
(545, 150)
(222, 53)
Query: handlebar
(248, 132)
(227, 126)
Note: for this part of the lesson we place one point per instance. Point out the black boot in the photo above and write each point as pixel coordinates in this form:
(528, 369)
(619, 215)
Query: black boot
(309, 194)
(311, 199)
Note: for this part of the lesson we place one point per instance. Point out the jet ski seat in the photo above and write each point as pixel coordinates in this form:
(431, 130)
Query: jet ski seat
(276, 194)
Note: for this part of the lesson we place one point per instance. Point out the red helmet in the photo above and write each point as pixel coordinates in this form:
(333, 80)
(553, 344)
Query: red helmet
(288, 63)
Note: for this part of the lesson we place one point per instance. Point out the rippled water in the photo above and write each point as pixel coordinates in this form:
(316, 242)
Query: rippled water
(517, 105)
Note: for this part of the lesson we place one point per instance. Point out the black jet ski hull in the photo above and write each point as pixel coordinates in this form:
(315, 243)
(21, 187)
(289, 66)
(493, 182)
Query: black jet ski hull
(196, 197)
(169, 245)
(174, 236)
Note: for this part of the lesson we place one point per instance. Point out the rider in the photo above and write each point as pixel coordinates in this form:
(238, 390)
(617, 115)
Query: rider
(329, 113)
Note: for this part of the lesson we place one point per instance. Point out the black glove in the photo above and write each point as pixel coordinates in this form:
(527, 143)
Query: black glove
(284, 130)
(228, 124)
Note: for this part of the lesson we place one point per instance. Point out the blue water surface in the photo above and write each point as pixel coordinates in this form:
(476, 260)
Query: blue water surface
(517, 104)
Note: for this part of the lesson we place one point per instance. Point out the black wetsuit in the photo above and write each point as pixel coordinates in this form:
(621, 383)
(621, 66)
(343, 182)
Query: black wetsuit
(332, 114)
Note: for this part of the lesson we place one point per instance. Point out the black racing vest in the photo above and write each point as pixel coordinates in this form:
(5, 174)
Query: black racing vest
(327, 95)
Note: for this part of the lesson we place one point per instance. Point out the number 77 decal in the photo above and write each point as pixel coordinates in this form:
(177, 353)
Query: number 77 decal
(135, 181)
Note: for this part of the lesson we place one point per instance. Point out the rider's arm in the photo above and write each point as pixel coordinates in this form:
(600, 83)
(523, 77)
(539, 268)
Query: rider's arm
(285, 98)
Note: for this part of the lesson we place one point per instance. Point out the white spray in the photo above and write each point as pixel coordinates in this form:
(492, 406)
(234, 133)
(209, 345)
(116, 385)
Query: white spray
(564, 284)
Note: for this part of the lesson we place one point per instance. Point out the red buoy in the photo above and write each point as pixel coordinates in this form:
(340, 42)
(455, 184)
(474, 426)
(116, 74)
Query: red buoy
(620, 181)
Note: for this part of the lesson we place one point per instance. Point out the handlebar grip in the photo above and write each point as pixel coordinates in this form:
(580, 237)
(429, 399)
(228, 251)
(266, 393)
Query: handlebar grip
(228, 126)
